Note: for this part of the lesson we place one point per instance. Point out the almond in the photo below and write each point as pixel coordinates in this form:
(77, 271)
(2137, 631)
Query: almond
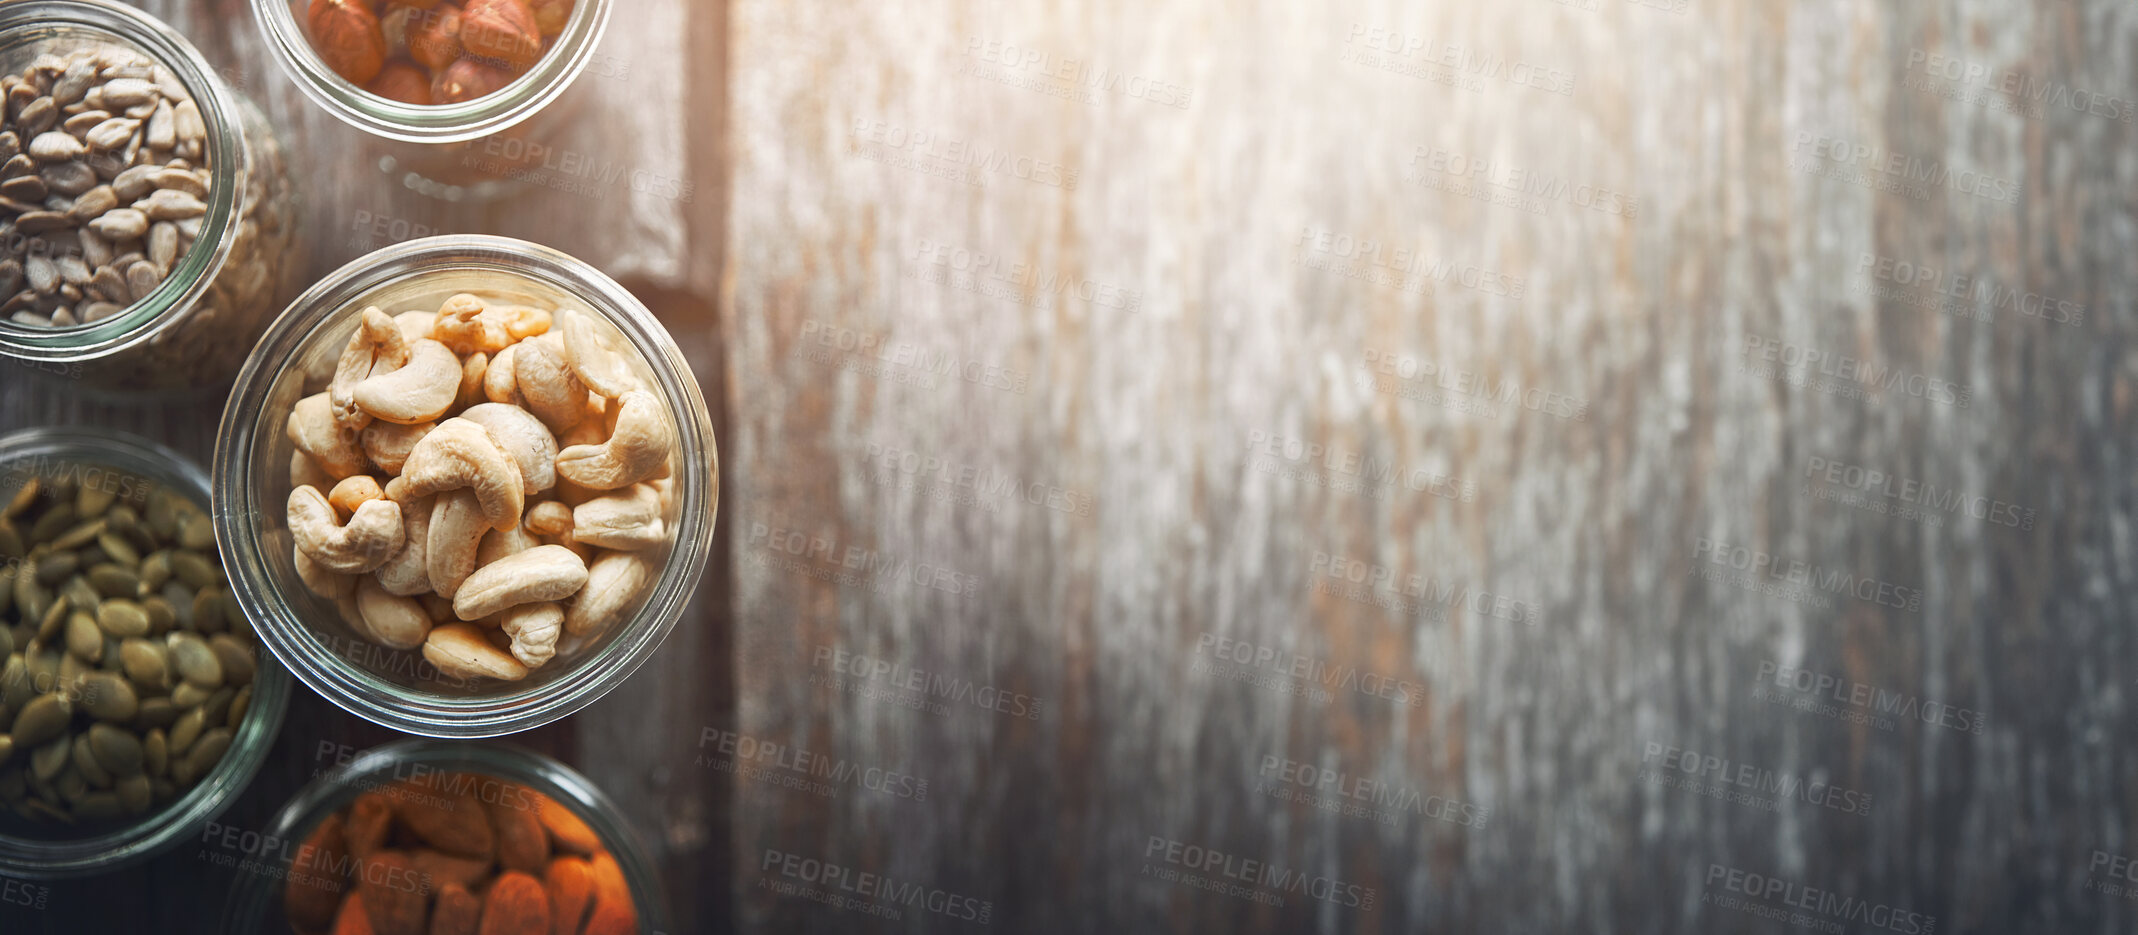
(370, 819)
(452, 822)
(567, 831)
(466, 80)
(346, 35)
(501, 31)
(516, 906)
(403, 82)
(434, 37)
(570, 883)
(458, 912)
(612, 917)
(610, 887)
(521, 842)
(352, 920)
(317, 877)
(413, 4)
(392, 892)
(442, 868)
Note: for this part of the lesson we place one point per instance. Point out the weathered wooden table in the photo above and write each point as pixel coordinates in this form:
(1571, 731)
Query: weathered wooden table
(1604, 465)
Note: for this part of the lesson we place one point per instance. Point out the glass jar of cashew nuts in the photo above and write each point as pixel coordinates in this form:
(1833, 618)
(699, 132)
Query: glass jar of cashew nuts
(465, 486)
(146, 212)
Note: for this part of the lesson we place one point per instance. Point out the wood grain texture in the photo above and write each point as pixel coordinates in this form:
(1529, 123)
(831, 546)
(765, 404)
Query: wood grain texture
(1710, 118)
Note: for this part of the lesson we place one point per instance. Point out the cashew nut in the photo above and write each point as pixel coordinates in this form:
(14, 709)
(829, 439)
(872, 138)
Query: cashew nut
(522, 321)
(408, 572)
(377, 344)
(461, 454)
(455, 536)
(503, 543)
(388, 443)
(317, 579)
(637, 450)
(543, 573)
(500, 384)
(462, 326)
(371, 536)
(628, 519)
(472, 371)
(421, 390)
(415, 326)
(522, 436)
(392, 620)
(552, 393)
(303, 470)
(354, 491)
(593, 361)
(534, 629)
(461, 650)
(548, 518)
(613, 584)
(311, 427)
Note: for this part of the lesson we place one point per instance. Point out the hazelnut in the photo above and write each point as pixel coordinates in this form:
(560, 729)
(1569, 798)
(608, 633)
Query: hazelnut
(551, 15)
(501, 31)
(346, 35)
(401, 81)
(466, 80)
(434, 37)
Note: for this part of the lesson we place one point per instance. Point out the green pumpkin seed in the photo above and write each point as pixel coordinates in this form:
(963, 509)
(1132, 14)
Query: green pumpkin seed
(123, 619)
(208, 610)
(147, 664)
(55, 567)
(157, 712)
(117, 751)
(197, 572)
(119, 549)
(84, 640)
(46, 761)
(155, 752)
(11, 545)
(85, 760)
(186, 731)
(44, 718)
(99, 806)
(134, 793)
(239, 704)
(57, 520)
(161, 618)
(206, 752)
(93, 500)
(107, 697)
(78, 536)
(193, 660)
(111, 581)
(155, 570)
(24, 498)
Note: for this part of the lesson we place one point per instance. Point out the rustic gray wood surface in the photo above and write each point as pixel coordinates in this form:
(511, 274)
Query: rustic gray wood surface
(864, 160)
(1151, 433)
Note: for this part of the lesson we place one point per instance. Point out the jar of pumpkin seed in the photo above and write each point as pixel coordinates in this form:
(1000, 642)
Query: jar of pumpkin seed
(134, 701)
(147, 229)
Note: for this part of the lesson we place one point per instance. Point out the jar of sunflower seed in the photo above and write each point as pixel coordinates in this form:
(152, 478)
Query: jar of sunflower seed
(134, 701)
(146, 229)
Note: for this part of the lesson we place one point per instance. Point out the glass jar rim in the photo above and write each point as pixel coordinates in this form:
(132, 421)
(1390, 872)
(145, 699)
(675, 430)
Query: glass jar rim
(497, 111)
(303, 648)
(499, 759)
(39, 858)
(229, 165)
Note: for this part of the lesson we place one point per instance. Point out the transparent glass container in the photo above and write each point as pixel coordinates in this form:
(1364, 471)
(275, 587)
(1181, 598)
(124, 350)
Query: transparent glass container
(191, 333)
(256, 901)
(32, 853)
(469, 151)
(399, 688)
